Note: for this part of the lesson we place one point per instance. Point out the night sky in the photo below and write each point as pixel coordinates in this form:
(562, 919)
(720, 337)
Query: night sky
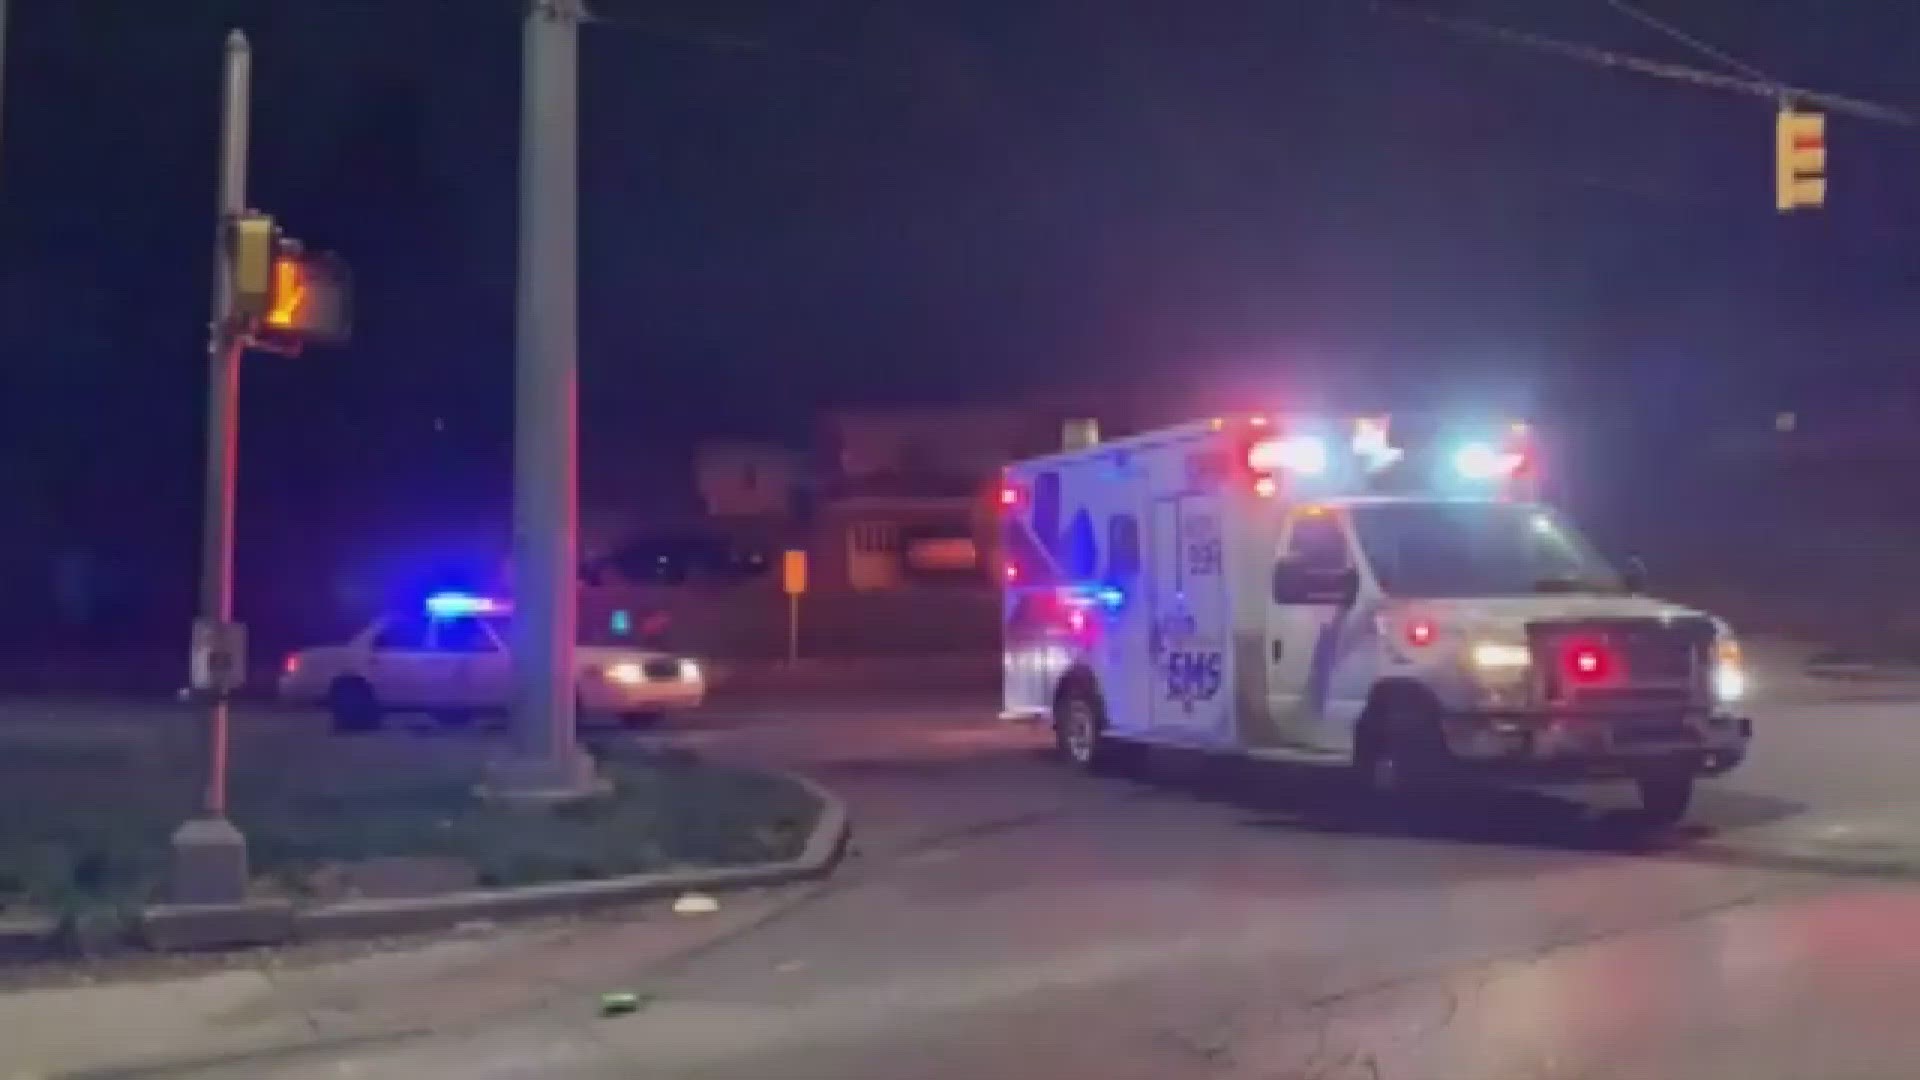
(791, 205)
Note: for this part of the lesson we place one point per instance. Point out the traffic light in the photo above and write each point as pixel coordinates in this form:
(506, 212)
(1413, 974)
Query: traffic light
(311, 301)
(252, 239)
(1800, 159)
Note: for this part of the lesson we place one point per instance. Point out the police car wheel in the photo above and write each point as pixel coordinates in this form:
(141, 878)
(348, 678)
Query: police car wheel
(353, 706)
(1664, 800)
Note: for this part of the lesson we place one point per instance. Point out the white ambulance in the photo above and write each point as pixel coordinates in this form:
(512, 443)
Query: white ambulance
(1374, 594)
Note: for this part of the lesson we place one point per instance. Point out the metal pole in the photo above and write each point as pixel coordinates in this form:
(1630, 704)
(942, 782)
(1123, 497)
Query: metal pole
(3, 82)
(545, 517)
(224, 344)
(210, 856)
(793, 628)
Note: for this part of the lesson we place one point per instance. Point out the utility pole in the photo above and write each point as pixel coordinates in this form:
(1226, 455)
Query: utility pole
(548, 762)
(210, 855)
(3, 82)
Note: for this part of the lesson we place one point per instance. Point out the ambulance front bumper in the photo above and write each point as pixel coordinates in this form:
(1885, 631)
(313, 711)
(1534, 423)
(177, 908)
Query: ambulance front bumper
(1558, 745)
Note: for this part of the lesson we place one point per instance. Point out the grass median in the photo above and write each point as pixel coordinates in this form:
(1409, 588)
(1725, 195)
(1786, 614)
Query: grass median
(86, 812)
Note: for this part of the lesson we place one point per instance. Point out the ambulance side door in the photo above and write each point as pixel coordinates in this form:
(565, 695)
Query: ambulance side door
(1190, 635)
(1314, 586)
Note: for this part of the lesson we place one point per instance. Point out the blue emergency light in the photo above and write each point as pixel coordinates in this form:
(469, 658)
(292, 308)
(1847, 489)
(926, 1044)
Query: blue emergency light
(453, 605)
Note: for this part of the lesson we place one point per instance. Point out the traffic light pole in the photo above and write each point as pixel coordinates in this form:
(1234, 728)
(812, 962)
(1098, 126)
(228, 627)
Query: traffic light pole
(547, 762)
(210, 855)
(3, 82)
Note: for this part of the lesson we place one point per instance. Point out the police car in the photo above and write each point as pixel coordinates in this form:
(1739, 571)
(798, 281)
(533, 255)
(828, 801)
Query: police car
(451, 660)
(1397, 604)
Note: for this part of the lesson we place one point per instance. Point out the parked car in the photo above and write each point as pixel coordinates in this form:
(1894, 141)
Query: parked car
(451, 660)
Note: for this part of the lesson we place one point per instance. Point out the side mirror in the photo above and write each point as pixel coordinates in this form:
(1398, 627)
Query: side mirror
(1634, 575)
(1296, 582)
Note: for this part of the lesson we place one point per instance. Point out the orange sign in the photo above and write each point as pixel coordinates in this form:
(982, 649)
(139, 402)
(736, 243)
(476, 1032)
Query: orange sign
(793, 572)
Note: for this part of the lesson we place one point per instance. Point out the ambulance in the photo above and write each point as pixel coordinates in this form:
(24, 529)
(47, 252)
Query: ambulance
(1388, 597)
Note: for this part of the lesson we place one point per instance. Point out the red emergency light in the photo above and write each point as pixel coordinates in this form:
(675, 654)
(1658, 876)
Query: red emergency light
(1588, 663)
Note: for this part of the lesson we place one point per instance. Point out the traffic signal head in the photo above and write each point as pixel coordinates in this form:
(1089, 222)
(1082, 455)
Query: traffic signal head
(311, 300)
(252, 240)
(1800, 159)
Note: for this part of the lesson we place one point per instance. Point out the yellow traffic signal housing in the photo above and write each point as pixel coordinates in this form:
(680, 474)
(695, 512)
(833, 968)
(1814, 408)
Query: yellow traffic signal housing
(252, 240)
(311, 301)
(1800, 159)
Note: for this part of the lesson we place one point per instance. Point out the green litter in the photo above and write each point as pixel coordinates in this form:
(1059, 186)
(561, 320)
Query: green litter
(619, 1003)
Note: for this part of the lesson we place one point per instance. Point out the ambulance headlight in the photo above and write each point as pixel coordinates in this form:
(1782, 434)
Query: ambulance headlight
(1729, 672)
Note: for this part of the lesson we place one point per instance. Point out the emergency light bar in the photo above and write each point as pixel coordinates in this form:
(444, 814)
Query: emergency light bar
(1503, 454)
(1478, 461)
(450, 605)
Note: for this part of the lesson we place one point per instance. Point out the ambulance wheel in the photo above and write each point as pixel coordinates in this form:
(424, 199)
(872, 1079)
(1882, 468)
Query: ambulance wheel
(1080, 731)
(1664, 800)
(353, 706)
(1399, 754)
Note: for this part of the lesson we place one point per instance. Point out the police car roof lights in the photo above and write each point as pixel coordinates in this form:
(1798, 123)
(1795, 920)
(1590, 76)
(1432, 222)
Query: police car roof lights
(453, 605)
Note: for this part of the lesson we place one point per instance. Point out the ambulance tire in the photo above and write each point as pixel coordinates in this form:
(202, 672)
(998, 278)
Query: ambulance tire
(1080, 731)
(1664, 800)
(1399, 753)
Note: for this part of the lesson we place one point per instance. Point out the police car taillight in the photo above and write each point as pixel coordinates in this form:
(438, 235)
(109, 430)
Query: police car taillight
(1421, 632)
(291, 665)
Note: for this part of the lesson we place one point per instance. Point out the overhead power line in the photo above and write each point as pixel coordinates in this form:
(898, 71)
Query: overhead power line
(1605, 58)
(1648, 19)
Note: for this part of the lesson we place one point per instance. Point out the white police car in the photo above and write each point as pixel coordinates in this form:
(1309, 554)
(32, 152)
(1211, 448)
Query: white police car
(451, 660)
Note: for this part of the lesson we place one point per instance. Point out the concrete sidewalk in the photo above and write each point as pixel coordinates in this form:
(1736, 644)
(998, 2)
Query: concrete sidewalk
(283, 1000)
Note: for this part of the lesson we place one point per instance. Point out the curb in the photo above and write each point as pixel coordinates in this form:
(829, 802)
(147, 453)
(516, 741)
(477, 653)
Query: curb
(265, 923)
(374, 918)
(33, 938)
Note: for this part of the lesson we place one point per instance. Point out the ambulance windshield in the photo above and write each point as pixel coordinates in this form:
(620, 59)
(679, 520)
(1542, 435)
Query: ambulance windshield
(1474, 549)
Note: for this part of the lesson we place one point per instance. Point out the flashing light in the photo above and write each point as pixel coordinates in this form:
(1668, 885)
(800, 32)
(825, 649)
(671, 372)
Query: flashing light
(620, 622)
(1265, 487)
(690, 671)
(1304, 454)
(1077, 620)
(454, 605)
(1587, 663)
(1110, 597)
(1257, 420)
(291, 665)
(1370, 443)
(1421, 632)
(1478, 461)
(1011, 573)
(626, 673)
(1009, 496)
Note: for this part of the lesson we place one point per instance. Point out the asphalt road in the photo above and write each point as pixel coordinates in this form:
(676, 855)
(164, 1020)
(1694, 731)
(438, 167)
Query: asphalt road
(1004, 918)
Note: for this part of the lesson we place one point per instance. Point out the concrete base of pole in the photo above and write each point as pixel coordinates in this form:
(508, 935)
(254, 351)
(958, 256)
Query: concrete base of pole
(520, 778)
(209, 863)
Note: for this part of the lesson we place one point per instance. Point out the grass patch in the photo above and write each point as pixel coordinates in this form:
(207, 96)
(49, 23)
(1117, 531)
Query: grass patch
(85, 816)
